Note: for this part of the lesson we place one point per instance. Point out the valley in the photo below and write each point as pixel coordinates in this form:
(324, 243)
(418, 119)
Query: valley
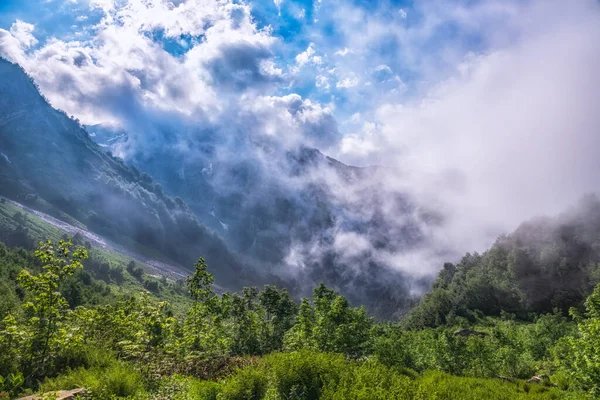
(299, 200)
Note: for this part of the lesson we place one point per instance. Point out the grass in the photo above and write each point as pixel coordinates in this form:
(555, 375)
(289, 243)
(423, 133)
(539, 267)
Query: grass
(118, 379)
(307, 375)
(39, 230)
(300, 375)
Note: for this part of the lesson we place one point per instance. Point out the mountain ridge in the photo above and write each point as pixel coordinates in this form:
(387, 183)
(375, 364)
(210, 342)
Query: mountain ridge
(50, 162)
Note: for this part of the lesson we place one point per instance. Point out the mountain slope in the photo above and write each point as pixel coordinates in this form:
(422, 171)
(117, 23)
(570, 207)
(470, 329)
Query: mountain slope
(296, 217)
(546, 264)
(50, 162)
(299, 214)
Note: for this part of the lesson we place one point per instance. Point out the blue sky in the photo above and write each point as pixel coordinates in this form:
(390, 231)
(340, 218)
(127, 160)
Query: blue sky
(328, 27)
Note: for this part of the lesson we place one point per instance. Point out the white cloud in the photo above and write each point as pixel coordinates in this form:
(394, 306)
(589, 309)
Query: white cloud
(322, 82)
(23, 33)
(383, 67)
(278, 4)
(121, 65)
(355, 118)
(402, 13)
(510, 135)
(305, 122)
(347, 82)
(343, 52)
(308, 56)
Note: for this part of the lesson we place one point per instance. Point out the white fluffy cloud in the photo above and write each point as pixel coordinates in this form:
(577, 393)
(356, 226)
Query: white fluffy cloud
(22, 32)
(511, 134)
(123, 75)
(347, 82)
(308, 56)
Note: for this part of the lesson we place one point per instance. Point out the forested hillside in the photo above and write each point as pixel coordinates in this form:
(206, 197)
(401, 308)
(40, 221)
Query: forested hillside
(49, 162)
(546, 265)
(486, 330)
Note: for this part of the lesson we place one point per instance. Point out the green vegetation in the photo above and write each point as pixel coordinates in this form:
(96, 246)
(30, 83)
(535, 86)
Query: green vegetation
(263, 345)
(487, 329)
(545, 265)
(106, 274)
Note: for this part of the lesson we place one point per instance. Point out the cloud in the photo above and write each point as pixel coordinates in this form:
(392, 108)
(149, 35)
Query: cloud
(509, 135)
(321, 81)
(478, 114)
(124, 76)
(347, 82)
(305, 123)
(278, 4)
(22, 32)
(343, 52)
(308, 56)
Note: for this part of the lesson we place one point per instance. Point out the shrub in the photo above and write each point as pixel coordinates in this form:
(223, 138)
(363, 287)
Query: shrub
(302, 375)
(247, 384)
(118, 379)
(204, 390)
(370, 381)
(439, 385)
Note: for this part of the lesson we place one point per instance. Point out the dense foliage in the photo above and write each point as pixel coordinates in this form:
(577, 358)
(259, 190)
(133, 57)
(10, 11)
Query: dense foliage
(261, 344)
(545, 265)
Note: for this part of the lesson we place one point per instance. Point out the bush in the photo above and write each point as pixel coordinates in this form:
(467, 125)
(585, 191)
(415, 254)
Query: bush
(247, 384)
(439, 385)
(204, 390)
(178, 387)
(119, 379)
(302, 375)
(370, 381)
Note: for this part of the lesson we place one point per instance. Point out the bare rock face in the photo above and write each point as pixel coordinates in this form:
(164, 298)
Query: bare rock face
(59, 395)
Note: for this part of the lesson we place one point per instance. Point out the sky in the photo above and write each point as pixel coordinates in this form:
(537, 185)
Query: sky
(483, 109)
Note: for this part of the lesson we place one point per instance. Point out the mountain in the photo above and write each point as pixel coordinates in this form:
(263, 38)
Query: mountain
(106, 136)
(49, 161)
(299, 214)
(258, 212)
(545, 265)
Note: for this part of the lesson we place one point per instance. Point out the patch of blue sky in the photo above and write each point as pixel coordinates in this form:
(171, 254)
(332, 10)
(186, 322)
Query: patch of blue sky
(61, 19)
(176, 46)
(287, 20)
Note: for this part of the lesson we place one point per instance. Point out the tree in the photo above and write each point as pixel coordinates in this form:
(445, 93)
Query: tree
(248, 323)
(301, 334)
(200, 283)
(204, 328)
(46, 310)
(280, 312)
(331, 326)
(585, 360)
(134, 270)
